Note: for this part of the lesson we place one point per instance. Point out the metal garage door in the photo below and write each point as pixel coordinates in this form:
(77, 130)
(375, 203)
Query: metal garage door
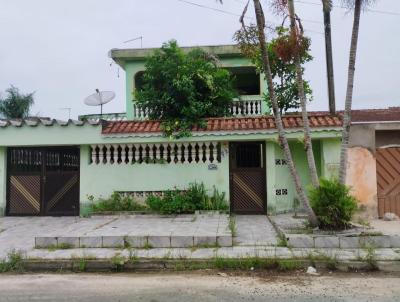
(43, 181)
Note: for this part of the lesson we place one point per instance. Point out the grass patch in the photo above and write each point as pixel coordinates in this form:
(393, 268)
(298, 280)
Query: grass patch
(82, 265)
(147, 246)
(12, 263)
(133, 257)
(250, 263)
(330, 262)
(282, 241)
(205, 246)
(117, 262)
(285, 265)
(232, 226)
(61, 246)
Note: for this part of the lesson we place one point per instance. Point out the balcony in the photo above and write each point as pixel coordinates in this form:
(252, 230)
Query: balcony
(245, 106)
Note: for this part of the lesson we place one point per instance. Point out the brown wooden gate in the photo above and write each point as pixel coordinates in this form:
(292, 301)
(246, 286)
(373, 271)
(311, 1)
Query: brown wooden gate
(247, 178)
(43, 181)
(388, 180)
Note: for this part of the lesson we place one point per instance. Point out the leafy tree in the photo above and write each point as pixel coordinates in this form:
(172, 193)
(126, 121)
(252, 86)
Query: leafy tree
(15, 104)
(283, 67)
(181, 89)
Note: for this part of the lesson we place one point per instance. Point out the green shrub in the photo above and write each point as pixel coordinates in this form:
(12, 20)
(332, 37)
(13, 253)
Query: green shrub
(197, 194)
(117, 203)
(154, 202)
(188, 201)
(177, 202)
(217, 201)
(333, 204)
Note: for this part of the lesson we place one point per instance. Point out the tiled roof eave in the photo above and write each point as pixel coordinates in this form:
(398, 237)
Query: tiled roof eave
(223, 133)
(4, 124)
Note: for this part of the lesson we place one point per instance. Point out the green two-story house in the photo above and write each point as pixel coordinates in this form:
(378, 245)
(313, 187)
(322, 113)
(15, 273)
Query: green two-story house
(50, 167)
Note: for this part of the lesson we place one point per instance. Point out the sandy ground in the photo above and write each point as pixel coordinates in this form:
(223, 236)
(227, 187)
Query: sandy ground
(212, 286)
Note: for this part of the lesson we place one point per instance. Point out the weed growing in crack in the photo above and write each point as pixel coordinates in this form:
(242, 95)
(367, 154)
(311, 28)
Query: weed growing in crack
(232, 225)
(13, 262)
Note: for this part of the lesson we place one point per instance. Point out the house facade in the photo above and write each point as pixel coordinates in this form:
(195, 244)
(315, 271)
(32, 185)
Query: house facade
(50, 167)
(373, 169)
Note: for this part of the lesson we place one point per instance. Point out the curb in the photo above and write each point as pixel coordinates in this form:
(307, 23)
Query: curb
(170, 241)
(349, 241)
(109, 265)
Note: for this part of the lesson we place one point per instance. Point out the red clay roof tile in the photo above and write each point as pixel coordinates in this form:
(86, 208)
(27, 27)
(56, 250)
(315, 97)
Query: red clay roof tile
(228, 124)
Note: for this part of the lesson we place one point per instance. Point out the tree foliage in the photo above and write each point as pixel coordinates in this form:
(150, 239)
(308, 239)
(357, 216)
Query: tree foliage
(283, 68)
(181, 89)
(16, 105)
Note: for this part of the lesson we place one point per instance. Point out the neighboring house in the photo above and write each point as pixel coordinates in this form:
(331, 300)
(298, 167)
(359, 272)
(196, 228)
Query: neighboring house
(49, 167)
(374, 159)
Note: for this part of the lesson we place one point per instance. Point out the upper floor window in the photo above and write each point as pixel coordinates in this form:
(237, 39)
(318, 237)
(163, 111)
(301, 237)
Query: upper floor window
(138, 78)
(247, 80)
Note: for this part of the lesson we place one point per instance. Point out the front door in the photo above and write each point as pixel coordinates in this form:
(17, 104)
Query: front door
(43, 181)
(247, 177)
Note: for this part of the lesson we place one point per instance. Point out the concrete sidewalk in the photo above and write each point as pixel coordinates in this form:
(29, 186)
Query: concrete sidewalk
(112, 231)
(138, 231)
(255, 238)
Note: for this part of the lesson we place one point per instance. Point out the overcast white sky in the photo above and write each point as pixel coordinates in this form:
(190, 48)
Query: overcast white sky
(59, 48)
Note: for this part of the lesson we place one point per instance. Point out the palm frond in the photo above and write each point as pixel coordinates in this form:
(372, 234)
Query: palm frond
(327, 5)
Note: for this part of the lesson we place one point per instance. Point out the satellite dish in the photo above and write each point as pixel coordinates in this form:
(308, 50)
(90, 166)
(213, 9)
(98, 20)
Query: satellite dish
(99, 98)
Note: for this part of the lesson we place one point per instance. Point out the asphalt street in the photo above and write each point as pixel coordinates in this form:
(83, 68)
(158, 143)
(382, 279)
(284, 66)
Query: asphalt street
(211, 286)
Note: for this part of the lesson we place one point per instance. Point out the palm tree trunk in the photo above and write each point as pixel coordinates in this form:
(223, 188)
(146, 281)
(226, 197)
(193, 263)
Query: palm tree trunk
(281, 131)
(349, 93)
(329, 56)
(303, 102)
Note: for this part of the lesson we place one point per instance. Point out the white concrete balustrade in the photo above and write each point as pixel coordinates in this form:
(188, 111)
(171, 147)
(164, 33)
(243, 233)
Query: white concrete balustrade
(246, 108)
(239, 108)
(162, 153)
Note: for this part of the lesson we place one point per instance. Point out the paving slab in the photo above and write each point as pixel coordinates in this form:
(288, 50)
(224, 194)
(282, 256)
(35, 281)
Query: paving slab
(90, 241)
(254, 230)
(326, 242)
(113, 241)
(300, 240)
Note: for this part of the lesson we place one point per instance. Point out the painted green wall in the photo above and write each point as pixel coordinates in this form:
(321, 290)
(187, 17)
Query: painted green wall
(326, 153)
(330, 157)
(101, 180)
(131, 69)
(3, 174)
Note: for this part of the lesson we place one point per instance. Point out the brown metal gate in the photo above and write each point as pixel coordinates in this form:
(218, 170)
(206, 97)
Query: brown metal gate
(247, 178)
(43, 181)
(388, 180)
